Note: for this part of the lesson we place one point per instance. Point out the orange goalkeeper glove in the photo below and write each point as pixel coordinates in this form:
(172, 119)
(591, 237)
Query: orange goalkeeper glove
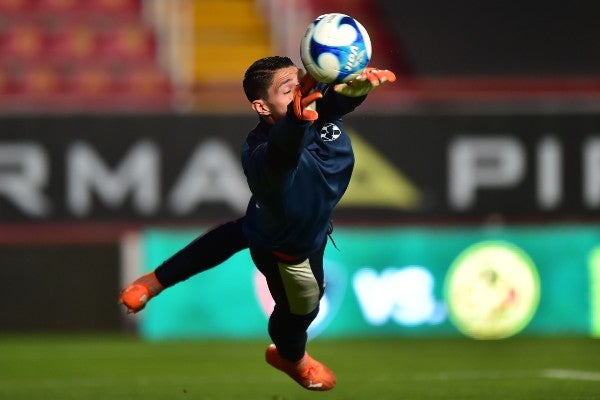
(135, 296)
(305, 97)
(368, 80)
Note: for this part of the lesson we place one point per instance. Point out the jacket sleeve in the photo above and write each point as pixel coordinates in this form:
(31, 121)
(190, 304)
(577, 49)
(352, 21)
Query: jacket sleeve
(286, 140)
(336, 105)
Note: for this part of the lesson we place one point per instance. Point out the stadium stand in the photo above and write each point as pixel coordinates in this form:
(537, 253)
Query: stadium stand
(227, 38)
(228, 30)
(189, 55)
(77, 56)
(520, 56)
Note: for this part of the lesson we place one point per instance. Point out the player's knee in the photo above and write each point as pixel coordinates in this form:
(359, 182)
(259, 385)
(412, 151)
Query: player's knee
(301, 287)
(304, 303)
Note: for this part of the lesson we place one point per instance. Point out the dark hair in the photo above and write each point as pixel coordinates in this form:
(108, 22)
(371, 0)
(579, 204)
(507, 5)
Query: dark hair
(259, 76)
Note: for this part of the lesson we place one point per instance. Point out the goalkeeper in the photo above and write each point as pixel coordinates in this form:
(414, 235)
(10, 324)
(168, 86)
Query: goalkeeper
(297, 168)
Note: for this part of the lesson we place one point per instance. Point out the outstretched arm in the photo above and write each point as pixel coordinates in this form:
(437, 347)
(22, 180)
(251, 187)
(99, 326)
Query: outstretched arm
(287, 136)
(343, 98)
(363, 84)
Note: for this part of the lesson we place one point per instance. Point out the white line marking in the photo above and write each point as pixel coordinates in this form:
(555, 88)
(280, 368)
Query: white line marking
(571, 374)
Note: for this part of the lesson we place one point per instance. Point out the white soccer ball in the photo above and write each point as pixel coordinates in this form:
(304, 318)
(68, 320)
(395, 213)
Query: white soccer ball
(335, 48)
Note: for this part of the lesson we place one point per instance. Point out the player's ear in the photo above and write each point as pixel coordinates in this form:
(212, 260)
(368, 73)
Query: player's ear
(261, 108)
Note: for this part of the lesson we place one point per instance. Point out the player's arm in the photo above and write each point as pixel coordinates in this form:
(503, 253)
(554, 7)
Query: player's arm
(306, 95)
(335, 105)
(341, 99)
(364, 83)
(287, 137)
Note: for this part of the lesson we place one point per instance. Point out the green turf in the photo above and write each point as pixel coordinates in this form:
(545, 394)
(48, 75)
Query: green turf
(116, 368)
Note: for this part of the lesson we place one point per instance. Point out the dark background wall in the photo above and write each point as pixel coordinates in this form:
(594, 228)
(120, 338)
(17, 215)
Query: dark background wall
(59, 287)
(505, 38)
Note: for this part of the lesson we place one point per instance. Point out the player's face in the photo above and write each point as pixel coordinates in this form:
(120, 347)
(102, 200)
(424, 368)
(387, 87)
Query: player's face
(281, 91)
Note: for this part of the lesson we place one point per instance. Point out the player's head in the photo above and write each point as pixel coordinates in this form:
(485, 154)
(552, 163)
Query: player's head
(269, 86)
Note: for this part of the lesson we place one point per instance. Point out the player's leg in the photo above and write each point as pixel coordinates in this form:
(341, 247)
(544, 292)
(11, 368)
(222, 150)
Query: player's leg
(296, 287)
(205, 252)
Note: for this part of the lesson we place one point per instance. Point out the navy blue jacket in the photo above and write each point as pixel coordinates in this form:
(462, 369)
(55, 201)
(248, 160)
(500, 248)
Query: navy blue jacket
(297, 173)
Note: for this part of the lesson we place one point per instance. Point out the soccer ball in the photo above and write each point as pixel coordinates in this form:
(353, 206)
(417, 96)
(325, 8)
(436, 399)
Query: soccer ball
(336, 48)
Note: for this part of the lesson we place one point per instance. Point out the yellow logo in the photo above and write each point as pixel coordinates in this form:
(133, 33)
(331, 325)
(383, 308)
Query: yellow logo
(376, 182)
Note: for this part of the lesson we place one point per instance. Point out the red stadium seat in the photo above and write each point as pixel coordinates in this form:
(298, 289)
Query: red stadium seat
(23, 42)
(129, 42)
(5, 82)
(114, 6)
(15, 6)
(90, 81)
(41, 80)
(74, 43)
(144, 81)
(78, 55)
(54, 6)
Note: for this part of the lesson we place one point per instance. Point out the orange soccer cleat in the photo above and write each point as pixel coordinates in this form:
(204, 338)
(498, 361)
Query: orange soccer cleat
(309, 373)
(139, 292)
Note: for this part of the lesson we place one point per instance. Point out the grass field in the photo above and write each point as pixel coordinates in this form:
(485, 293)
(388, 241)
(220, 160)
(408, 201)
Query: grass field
(120, 367)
